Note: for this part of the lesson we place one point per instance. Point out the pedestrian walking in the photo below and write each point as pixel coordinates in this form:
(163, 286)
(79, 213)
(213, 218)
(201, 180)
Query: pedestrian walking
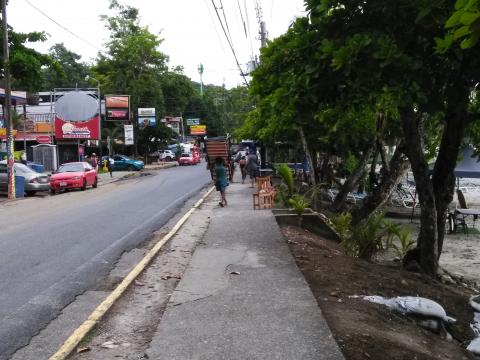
(252, 167)
(221, 181)
(94, 161)
(242, 163)
(110, 164)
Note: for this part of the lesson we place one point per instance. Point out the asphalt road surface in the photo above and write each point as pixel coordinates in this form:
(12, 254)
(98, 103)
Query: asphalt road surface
(55, 248)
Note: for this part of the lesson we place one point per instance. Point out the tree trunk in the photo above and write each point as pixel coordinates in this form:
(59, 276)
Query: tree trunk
(456, 118)
(389, 179)
(309, 155)
(351, 182)
(372, 177)
(426, 252)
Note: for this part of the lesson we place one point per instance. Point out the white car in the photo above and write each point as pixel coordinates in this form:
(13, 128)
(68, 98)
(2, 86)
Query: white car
(164, 155)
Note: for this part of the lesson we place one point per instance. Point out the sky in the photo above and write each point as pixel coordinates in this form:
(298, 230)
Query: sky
(190, 28)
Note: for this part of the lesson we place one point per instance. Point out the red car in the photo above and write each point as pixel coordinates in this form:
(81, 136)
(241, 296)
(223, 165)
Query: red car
(72, 176)
(186, 159)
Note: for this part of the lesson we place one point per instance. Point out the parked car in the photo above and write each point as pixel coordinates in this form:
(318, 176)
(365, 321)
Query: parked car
(187, 159)
(163, 155)
(122, 162)
(34, 181)
(74, 175)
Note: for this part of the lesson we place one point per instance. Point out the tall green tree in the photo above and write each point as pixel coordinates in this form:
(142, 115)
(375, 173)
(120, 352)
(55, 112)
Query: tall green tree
(69, 71)
(25, 63)
(132, 63)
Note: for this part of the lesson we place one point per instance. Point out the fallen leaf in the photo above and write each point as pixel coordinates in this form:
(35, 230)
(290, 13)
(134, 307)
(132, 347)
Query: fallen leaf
(235, 272)
(139, 283)
(82, 349)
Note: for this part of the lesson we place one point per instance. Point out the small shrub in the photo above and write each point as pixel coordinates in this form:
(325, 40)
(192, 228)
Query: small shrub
(367, 238)
(299, 203)
(282, 195)
(404, 238)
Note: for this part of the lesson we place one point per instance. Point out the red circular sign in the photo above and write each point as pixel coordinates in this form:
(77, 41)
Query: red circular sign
(43, 139)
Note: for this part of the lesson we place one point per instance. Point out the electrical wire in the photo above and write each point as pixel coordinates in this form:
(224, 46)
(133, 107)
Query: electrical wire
(241, 16)
(214, 26)
(226, 22)
(63, 27)
(249, 29)
(229, 43)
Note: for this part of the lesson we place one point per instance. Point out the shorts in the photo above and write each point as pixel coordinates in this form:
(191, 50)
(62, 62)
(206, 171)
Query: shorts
(221, 185)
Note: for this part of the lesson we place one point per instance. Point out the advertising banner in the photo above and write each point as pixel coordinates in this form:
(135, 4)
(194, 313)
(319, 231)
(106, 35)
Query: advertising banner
(76, 129)
(77, 116)
(128, 134)
(117, 107)
(147, 121)
(193, 122)
(198, 129)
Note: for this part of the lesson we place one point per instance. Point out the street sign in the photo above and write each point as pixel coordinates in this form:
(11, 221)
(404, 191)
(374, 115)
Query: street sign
(43, 139)
(193, 122)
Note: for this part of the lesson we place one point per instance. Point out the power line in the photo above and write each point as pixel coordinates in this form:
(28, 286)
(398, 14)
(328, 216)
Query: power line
(249, 29)
(214, 26)
(63, 27)
(241, 16)
(226, 22)
(229, 43)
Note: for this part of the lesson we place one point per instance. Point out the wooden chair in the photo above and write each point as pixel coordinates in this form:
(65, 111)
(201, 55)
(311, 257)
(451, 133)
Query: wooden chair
(265, 195)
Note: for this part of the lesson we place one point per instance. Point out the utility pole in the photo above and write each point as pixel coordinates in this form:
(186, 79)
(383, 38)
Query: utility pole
(200, 71)
(7, 113)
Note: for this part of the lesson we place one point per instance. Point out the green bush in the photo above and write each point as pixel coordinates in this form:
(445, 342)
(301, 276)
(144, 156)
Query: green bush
(367, 238)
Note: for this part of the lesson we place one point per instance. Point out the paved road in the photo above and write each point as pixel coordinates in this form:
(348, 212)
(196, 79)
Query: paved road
(56, 247)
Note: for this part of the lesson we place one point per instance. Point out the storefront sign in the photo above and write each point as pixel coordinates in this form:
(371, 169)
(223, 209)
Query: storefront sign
(43, 139)
(198, 130)
(147, 112)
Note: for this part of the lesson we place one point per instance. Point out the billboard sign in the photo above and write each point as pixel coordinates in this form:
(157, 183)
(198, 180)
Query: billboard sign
(117, 107)
(198, 129)
(128, 134)
(143, 122)
(146, 112)
(77, 116)
(193, 122)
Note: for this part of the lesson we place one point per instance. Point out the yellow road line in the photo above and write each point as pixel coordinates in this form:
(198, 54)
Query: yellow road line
(77, 336)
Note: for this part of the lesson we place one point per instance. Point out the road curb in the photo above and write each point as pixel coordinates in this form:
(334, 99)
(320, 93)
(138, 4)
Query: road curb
(95, 317)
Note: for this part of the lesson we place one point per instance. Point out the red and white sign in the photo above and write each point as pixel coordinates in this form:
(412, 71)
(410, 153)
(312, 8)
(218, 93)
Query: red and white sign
(76, 129)
(43, 139)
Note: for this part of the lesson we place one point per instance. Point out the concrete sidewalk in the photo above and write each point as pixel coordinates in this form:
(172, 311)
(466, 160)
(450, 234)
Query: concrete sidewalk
(242, 295)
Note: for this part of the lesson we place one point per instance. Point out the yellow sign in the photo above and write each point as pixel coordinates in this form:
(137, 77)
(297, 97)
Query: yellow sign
(198, 129)
(3, 132)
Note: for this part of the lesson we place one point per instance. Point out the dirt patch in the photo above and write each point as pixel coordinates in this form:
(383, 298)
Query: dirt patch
(365, 330)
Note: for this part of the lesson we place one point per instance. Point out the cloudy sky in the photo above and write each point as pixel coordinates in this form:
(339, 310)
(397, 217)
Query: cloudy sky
(190, 28)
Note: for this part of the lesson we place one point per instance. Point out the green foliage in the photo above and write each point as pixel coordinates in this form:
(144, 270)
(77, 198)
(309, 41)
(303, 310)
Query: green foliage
(285, 173)
(25, 63)
(463, 26)
(153, 138)
(299, 203)
(282, 196)
(402, 240)
(68, 71)
(370, 236)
